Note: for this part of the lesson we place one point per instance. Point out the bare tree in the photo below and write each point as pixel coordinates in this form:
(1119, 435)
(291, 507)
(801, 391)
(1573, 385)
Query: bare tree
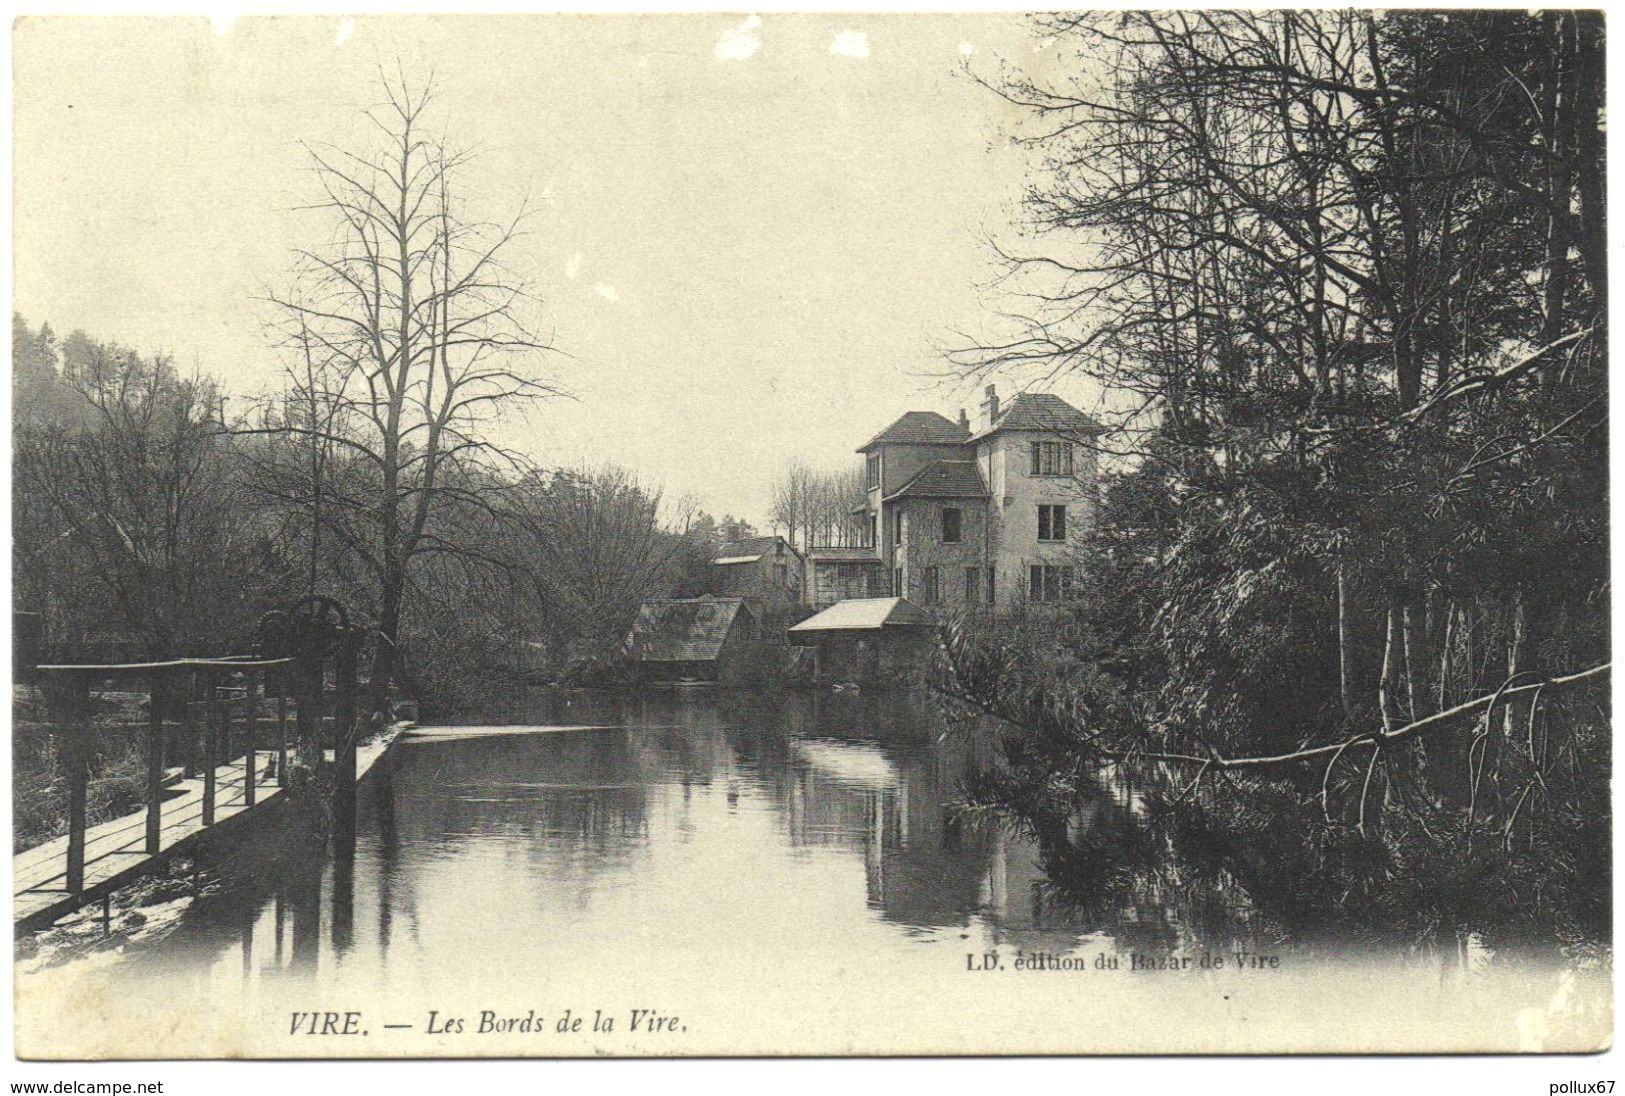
(1345, 271)
(790, 499)
(598, 547)
(814, 507)
(408, 331)
(137, 520)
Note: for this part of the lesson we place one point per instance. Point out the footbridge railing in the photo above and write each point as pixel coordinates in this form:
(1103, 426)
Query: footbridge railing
(222, 710)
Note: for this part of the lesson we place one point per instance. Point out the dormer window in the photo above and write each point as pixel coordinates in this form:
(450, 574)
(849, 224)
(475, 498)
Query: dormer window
(1051, 458)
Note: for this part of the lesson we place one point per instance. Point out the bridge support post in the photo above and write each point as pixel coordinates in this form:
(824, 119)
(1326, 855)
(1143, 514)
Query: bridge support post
(222, 746)
(250, 725)
(282, 728)
(74, 742)
(155, 763)
(189, 742)
(211, 748)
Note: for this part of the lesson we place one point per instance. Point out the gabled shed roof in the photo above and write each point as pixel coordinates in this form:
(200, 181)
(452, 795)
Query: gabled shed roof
(683, 629)
(866, 614)
(753, 549)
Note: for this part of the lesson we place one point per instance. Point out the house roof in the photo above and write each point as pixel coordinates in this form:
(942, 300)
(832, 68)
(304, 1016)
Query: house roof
(919, 428)
(753, 549)
(944, 479)
(866, 614)
(1042, 411)
(683, 629)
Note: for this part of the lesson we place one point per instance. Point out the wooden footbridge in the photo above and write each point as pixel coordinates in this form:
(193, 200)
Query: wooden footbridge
(226, 754)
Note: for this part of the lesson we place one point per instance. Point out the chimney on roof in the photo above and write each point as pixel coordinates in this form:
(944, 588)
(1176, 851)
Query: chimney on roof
(990, 405)
(964, 420)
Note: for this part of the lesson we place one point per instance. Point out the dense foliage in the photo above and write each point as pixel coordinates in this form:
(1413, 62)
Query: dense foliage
(150, 522)
(1343, 274)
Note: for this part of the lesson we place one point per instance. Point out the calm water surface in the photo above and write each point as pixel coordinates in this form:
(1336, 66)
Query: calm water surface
(687, 819)
(777, 875)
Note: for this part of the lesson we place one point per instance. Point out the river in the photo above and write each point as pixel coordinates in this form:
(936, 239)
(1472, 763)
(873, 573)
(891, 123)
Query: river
(709, 872)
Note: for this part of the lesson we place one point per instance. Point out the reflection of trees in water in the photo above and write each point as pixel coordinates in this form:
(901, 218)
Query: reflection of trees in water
(1113, 859)
(259, 908)
(871, 773)
(381, 807)
(871, 776)
(303, 894)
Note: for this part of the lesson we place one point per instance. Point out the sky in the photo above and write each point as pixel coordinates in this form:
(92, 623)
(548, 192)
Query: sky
(753, 235)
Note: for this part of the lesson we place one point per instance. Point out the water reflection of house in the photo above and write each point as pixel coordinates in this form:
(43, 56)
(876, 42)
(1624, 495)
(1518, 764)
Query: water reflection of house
(697, 639)
(844, 794)
(869, 641)
(887, 806)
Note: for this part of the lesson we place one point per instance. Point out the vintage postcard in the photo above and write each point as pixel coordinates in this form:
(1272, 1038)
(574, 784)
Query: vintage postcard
(810, 534)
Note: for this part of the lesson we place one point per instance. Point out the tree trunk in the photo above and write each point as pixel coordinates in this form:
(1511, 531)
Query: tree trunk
(1518, 661)
(1385, 684)
(1410, 651)
(1345, 645)
(385, 655)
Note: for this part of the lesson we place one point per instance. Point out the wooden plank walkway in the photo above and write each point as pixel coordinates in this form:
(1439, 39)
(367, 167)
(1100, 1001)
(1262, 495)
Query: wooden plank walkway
(116, 851)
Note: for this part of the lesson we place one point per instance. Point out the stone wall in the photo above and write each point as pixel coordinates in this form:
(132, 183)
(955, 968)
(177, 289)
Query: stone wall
(923, 547)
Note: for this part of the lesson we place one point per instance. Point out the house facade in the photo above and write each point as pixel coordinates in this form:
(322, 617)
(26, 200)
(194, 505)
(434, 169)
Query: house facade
(963, 515)
(768, 569)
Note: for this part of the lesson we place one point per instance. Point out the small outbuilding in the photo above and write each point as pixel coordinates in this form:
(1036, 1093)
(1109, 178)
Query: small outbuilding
(691, 639)
(869, 641)
(767, 569)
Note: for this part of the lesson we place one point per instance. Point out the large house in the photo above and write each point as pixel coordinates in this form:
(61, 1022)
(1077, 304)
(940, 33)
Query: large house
(962, 516)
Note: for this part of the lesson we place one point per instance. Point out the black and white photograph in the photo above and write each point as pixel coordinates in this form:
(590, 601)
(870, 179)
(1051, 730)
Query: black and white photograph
(811, 534)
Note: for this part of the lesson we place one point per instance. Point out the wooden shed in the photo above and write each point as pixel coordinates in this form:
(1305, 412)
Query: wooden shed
(691, 639)
(869, 641)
